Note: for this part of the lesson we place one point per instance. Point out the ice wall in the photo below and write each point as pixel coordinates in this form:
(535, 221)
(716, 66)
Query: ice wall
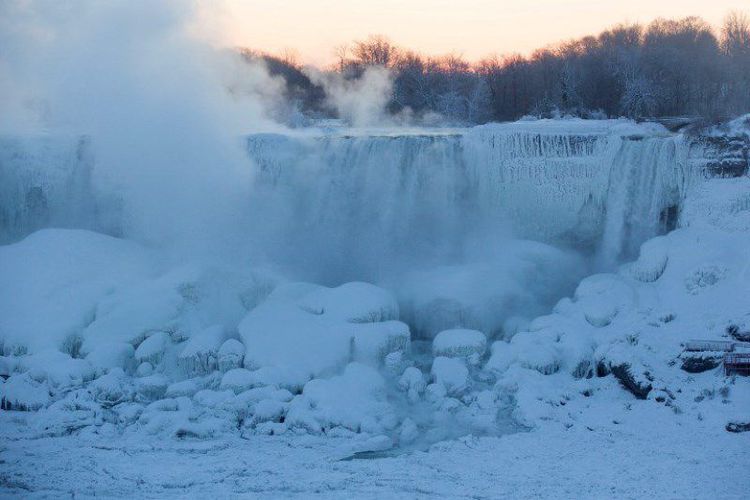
(364, 197)
(604, 186)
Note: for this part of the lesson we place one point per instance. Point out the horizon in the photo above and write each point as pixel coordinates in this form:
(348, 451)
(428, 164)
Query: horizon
(478, 29)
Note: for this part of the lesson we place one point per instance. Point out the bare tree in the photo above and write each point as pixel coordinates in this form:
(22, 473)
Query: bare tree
(377, 50)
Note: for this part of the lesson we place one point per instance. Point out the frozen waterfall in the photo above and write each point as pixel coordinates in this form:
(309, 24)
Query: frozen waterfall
(363, 197)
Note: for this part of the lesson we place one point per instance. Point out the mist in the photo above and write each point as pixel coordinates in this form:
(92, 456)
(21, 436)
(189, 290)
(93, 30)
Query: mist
(153, 96)
(167, 113)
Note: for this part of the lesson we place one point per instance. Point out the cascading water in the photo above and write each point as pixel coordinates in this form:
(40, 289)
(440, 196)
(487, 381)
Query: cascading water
(44, 182)
(351, 205)
(436, 198)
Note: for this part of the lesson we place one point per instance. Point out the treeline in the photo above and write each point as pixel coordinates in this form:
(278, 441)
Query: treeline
(667, 68)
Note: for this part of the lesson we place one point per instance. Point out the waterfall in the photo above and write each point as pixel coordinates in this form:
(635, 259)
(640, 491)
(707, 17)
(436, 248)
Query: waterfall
(416, 197)
(644, 184)
(44, 182)
(357, 201)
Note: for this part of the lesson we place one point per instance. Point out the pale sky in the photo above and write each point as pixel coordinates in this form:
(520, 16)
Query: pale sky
(473, 28)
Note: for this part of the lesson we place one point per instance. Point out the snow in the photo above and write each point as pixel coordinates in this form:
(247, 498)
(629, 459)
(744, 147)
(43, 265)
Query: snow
(354, 400)
(460, 343)
(231, 354)
(352, 302)
(451, 373)
(309, 337)
(201, 353)
(625, 463)
(126, 371)
(57, 278)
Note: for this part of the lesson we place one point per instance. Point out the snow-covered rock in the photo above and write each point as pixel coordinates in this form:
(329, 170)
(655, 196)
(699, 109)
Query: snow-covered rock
(413, 383)
(57, 369)
(355, 400)
(113, 388)
(230, 355)
(112, 355)
(200, 356)
(461, 343)
(451, 373)
(239, 380)
(602, 297)
(323, 334)
(354, 302)
(152, 348)
(58, 277)
(22, 392)
(652, 260)
(152, 387)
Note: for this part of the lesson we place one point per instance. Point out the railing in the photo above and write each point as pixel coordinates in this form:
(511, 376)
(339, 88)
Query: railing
(709, 345)
(737, 363)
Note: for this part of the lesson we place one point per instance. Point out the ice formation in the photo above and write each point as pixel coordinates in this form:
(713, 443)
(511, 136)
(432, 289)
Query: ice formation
(477, 316)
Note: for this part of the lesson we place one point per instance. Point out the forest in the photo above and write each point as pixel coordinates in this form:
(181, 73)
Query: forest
(668, 68)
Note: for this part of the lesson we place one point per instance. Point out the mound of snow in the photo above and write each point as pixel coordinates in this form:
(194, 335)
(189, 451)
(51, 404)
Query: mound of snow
(354, 302)
(200, 356)
(59, 370)
(459, 343)
(652, 260)
(355, 400)
(230, 355)
(53, 281)
(602, 297)
(112, 355)
(452, 374)
(152, 349)
(22, 392)
(321, 331)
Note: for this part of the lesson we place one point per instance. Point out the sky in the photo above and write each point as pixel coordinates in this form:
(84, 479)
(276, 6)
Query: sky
(473, 28)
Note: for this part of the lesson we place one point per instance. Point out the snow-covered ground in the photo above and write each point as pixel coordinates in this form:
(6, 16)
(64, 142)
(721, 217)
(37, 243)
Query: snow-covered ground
(126, 371)
(658, 458)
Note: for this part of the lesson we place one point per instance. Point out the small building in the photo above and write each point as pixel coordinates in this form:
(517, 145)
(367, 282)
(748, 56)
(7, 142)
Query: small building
(737, 363)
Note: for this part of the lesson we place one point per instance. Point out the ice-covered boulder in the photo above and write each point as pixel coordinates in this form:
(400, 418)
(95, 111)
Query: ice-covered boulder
(212, 399)
(459, 343)
(186, 388)
(602, 297)
(282, 334)
(152, 349)
(144, 369)
(136, 313)
(152, 387)
(53, 281)
(354, 302)
(355, 400)
(111, 355)
(413, 383)
(238, 380)
(200, 356)
(113, 388)
(22, 392)
(451, 373)
(230, 355)
(315, 336)
(652, 260)
(58, 369)
(8, 365)
(372, 342)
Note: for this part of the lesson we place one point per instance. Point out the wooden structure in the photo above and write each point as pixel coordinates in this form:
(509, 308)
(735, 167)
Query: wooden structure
(736, 363)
